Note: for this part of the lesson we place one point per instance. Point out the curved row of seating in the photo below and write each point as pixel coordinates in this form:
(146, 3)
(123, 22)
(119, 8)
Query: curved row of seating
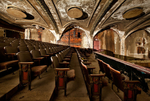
(32, 56)
(94, 82)
(61, 64)
(128, 87)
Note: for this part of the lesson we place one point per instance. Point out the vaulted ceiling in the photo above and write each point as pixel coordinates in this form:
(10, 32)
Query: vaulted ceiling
(91, 15)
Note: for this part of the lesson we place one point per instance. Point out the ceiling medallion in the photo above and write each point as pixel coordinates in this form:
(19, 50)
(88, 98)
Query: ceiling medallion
(75, 12)
(16, 12)
(133, 13)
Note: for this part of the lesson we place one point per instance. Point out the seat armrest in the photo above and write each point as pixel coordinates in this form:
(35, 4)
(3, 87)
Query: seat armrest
(87, 63)
(62, 69)
(67, 56)
(10, 53)
(90, 67)
(24, 63)
(38, 58)
(45, 55)
(65, 59)
(64, 63)
(97, 75)
(133, 82)
(50, 53)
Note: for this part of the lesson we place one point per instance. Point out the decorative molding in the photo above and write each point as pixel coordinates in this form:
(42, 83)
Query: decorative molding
(48, 13)
(101, 15)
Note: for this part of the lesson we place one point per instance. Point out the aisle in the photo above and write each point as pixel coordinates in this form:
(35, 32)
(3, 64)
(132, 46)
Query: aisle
(76, 90)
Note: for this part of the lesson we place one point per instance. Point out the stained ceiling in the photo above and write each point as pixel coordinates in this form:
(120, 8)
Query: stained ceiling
(91, 15)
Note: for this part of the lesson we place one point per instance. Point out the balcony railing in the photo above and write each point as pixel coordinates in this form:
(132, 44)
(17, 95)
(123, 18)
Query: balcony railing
(133, 71)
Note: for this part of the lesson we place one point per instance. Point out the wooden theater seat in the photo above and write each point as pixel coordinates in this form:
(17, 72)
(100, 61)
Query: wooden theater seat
(23, 48)
(129, 87)
(27, 69)
(5, 63)
(107, 71)
(63, 75)
(38, 59)
(47, 56)
(49, 52)
(11, 52)
(94, 82)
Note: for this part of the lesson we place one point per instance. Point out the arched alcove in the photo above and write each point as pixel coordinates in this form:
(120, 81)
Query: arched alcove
(45, 35)
(137, 44)
(107, 40)
(74, 38)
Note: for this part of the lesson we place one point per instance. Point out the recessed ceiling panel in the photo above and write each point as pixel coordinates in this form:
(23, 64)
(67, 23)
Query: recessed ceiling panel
(74, 12)
(133, 13)
(16, 12)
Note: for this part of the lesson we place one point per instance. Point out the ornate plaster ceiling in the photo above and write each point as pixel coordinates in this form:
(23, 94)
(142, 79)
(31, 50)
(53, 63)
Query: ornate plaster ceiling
(98, 14)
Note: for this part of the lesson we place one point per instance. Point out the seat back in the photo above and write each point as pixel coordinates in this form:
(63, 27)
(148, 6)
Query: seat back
(23, 48)
(59, 57)
(3, 57)
(107, 70)
(36, 47)
(42, 51)
(100, 65)
(41, 46)
(31, 47)
(50, 49)
(10, 49)
(3, 44)
(47, 50)
(24, 56)
(35, 53)
(55, 62)
(116, 77)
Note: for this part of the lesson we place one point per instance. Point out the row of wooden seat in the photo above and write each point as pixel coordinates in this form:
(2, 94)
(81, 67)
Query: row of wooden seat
(30, 61)
(9, 51)
(94, 82)
(63, 73)
(35, 58)
(129, 87)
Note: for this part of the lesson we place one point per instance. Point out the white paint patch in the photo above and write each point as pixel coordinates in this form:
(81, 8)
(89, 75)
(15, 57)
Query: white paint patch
(148, 29)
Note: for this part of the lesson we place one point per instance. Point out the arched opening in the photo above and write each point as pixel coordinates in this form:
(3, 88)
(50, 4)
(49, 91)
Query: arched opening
(71, 38)
(137, 44)
(107, 40)
(74, 36)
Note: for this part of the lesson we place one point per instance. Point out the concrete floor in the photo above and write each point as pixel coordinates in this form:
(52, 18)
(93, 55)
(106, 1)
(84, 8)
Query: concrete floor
(42, 89)
(8, 83)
